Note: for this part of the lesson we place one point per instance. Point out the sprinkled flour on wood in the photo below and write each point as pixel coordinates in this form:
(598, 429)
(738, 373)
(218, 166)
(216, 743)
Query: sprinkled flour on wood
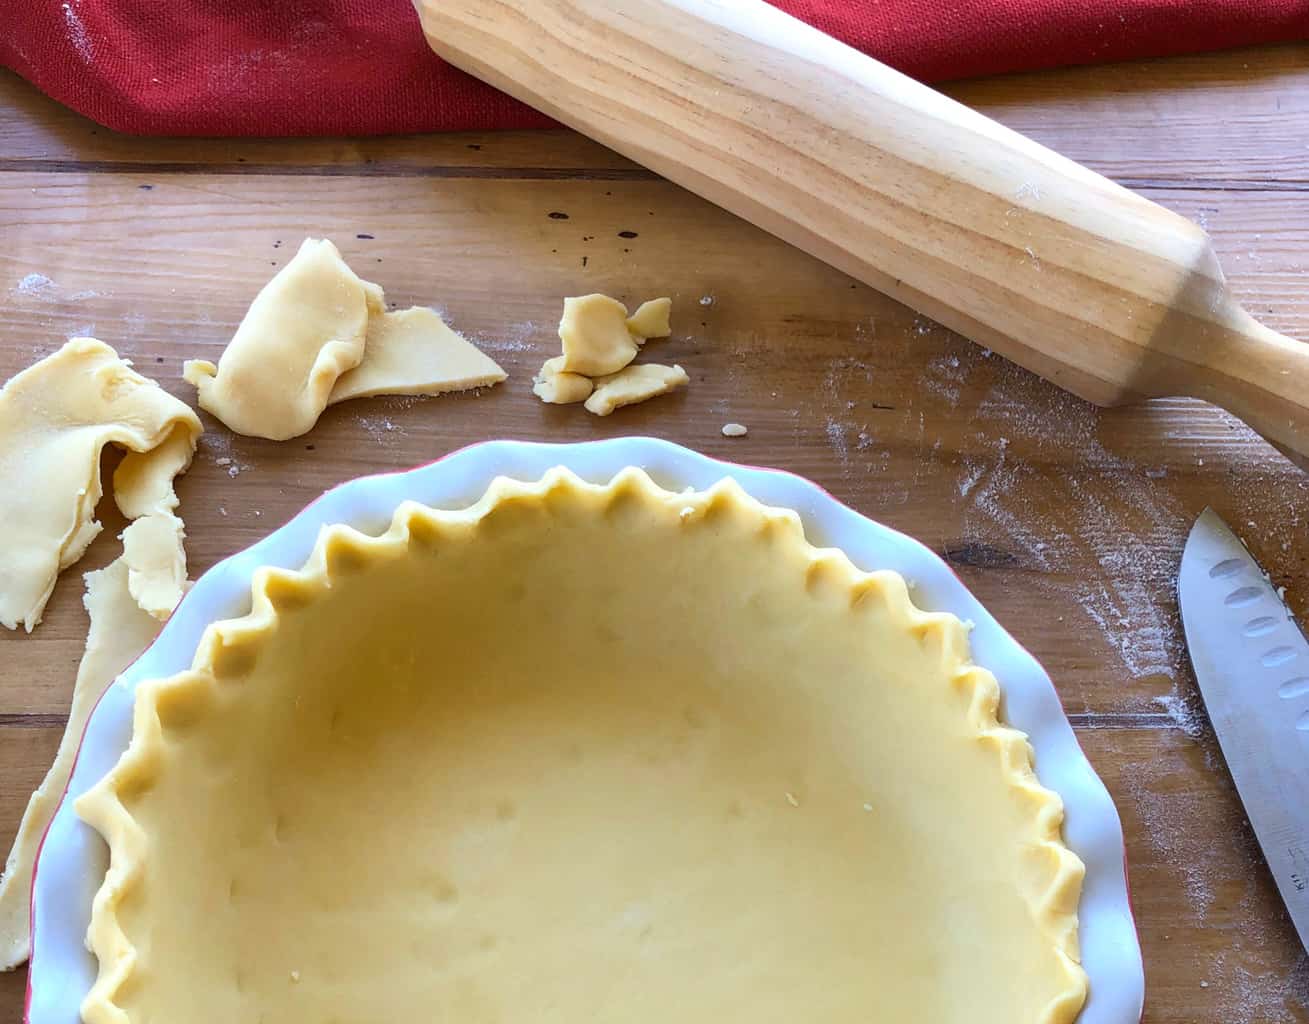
(516, 338)
(218, 448)
(381, 428)
(836, 439)
(36, 286)
(1110, 511)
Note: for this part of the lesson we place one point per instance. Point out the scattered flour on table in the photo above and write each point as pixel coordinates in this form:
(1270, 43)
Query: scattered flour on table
(36, 286)
(836, 440)
(1186, 712)
(134, 324)
(381, 428)
(945, 378)
(1225, 896)
(218, 449)
(1267, 998)
(516, 338)
(1109, 511)
(838, 422)
(44, 289)
(1170, 816)
(924, 326)
(968, 481)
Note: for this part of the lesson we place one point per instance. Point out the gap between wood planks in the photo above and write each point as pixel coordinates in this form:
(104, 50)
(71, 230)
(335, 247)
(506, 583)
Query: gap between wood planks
(352, 170)
(367, 169)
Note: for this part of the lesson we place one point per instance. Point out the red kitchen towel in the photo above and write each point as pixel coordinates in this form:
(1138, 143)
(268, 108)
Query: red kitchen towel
(362, 67)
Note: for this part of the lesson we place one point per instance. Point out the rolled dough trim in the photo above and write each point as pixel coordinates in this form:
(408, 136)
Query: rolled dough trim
(633, 384)
(304, 329)
(158, 430)
(119, 631)
(153, 548)
(414, 352)
(556, 386)
(144, 482)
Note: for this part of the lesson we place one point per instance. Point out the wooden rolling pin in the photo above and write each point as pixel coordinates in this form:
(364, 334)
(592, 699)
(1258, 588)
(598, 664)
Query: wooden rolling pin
(1078, 279)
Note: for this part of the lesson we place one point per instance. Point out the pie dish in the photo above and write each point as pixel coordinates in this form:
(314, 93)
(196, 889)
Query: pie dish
(602, 747)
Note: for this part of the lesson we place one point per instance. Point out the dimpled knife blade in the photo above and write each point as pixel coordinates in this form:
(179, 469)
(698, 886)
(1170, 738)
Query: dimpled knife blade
(1252, 663)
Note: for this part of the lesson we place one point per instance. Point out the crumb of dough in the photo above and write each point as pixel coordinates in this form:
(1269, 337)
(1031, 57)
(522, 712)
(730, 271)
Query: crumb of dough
(55, 418)
(119, 631)
(634, 384)
(414, 352)
(156, 562)
(735, 430)
(303, 331)
(599, 343)
(556, 386)
(595, 337)
(651, 320)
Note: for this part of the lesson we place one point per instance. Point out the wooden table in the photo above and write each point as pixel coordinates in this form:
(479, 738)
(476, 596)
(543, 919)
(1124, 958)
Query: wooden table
(1066, 521)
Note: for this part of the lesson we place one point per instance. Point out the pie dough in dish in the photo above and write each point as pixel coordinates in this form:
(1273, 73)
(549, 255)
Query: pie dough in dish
(581, 752)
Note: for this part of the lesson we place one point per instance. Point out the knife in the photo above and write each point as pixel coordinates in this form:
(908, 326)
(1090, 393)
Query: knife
(1252, 663)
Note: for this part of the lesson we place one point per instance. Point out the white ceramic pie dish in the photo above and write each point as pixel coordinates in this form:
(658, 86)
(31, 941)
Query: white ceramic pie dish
(72, 861)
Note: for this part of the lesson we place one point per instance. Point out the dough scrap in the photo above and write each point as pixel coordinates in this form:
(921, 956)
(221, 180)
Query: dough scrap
(651, 320)
(413, 352)
(119, 631)
(600, 341)
(153, 548)
(634, 384)
(595, 337)
(556, 386)
(55, 417)
(143, 483)
(305, 328)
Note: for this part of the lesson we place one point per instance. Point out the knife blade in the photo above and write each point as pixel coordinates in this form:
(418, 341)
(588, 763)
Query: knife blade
(1252, 663)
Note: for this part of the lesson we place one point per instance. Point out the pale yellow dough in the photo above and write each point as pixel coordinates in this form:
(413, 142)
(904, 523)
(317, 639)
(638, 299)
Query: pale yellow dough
(413, 352)
(305, 328)
(556, 386)
(634, 384)
(595, 337)
(55, 418)
(119, 631)
(651, 320)
(156, 560)
(600, 341)
(581, 753)
(143, 481)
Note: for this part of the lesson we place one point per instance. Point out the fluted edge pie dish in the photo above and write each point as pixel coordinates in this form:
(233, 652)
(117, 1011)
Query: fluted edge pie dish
(587, 749)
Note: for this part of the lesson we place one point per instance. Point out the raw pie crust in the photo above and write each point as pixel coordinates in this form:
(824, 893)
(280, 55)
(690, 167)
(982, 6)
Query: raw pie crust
(581, 752)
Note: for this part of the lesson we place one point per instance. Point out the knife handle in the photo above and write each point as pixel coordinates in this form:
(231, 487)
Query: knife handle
(1078, 279)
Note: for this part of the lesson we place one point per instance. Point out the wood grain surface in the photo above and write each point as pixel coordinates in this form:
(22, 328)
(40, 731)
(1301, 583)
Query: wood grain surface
(1067, 521)
(1063, 271)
